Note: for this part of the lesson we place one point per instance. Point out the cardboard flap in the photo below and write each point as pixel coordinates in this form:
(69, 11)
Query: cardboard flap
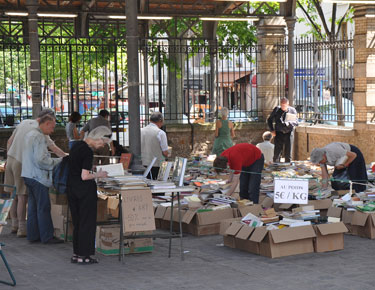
(292, 234)
(335, 228)
(347, 216)
(321, 204)
(214, 217)
(258, 234)
(188, 216)
(255, 209)
(113, 203)
(267, 202)
(233, 229)
(102, 196)
(334, 212)
(373, 219)
(160, 211)
(245, 232)
(359, 218)
(167, 214)
(285, 206)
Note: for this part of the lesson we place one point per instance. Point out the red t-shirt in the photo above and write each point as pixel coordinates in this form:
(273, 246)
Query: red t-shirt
(241, 155)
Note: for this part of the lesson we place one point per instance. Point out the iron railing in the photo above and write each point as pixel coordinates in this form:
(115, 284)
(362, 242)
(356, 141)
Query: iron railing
(323, 80)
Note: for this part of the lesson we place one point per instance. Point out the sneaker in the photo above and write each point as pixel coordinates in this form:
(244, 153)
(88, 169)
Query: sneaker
(54, 241)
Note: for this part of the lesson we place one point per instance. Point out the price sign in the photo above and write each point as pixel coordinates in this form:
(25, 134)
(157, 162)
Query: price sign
(137, 210)
(293, 191)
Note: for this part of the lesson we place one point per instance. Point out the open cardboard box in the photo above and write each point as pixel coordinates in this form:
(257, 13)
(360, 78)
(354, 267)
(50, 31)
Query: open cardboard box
(108, 241)
(274, 243)
(322, 205)
(206, 223)
(363, 224)
(329, 237)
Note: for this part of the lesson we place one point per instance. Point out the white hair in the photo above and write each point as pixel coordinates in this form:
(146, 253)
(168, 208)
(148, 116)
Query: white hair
(224, 112)
(101, 132)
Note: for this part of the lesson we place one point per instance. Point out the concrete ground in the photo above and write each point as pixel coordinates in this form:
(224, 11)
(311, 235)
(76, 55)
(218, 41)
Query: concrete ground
(207, 265)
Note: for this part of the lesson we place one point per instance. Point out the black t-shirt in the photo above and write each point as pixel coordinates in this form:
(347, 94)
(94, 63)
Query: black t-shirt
(80, 157)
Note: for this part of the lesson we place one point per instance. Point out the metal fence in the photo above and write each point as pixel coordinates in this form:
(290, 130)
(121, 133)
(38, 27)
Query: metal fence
(188, 81)
(323, 80)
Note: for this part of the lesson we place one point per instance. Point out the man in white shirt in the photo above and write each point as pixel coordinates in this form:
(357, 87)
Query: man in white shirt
(267, 147)
(154, 144)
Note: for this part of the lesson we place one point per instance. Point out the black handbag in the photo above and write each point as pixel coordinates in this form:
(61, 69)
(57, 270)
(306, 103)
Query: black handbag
(341, 179)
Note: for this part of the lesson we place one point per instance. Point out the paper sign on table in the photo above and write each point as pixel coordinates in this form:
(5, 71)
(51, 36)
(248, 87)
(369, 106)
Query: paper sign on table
(137, 210)
(293, 191)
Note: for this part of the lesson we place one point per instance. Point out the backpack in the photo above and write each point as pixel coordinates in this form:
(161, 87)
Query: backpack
(60, 175)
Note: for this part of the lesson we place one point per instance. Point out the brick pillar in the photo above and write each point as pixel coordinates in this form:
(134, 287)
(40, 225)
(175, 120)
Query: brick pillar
(270, 32)
(364, 64)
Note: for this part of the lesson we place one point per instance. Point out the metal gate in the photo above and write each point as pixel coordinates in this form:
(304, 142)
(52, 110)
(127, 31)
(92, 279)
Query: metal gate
(323, 80)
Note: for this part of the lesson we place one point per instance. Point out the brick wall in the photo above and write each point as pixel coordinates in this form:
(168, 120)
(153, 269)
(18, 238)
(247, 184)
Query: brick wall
(310, 137)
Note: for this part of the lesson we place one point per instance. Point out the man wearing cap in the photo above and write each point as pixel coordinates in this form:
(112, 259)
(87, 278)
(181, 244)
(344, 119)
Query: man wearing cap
(246, 162)
(154, 144)
(285, 118)
(101, 120)
(14, 166)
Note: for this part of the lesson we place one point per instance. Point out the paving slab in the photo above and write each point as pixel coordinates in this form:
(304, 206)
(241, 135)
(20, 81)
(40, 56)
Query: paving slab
(207, 265)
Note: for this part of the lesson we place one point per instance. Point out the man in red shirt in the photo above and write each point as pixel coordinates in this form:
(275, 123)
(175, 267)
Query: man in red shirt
(247, 162)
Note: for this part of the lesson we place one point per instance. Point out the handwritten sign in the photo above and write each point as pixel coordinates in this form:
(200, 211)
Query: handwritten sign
(137, 210)
(294, 191)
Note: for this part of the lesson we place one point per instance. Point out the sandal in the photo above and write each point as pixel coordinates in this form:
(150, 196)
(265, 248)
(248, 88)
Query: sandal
(86, 260)
(74, 259)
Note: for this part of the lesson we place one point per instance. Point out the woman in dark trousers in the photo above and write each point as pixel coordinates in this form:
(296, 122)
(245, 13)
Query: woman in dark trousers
(82, 197)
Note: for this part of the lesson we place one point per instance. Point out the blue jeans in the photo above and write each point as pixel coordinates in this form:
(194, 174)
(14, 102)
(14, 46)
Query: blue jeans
(39, 221)
(250, 182)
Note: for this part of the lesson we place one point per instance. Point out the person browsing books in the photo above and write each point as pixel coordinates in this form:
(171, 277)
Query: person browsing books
(285, 119)
(154, 144)
(247, 162)
(342, 156)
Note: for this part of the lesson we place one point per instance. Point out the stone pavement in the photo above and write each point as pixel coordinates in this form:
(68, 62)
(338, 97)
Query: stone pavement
(207, 265)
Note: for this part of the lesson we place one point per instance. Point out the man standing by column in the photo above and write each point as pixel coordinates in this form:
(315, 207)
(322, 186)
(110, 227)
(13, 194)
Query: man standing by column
(285, 118)
(154, 144)
(37, 165)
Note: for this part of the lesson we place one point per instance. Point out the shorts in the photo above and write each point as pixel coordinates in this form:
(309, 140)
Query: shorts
(13, 171)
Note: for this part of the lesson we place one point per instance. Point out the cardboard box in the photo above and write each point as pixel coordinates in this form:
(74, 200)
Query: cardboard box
(108, 241)
(347, 217)
(60, 199)
(334, 212)
(255, 209)
(243, 241)
(113, 206)
(323, 205)
(225, 224)
(230, 233)
(286, 241)
(159, 214)
(363, 224)
(102, 210)
(206, 223)
(329, 237)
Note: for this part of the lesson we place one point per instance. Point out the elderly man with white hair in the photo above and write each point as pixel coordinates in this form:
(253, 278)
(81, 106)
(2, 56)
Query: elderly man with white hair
(224, 132)
(342, 156)
(82, 194)
(154, 144)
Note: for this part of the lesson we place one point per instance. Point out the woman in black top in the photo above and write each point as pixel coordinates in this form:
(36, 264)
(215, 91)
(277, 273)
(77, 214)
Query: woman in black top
(82, 197)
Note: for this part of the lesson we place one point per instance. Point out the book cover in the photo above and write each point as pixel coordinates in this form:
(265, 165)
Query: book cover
(125, 159)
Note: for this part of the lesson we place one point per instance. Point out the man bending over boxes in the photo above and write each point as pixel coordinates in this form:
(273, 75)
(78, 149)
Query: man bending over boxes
(247, 162)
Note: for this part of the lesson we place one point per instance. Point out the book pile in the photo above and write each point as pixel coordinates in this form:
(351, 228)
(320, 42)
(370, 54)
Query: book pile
(306, 212)
(269, 216)
(252, 220)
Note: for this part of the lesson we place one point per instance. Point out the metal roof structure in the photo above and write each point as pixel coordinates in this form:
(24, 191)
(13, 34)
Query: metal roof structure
(99, 9)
